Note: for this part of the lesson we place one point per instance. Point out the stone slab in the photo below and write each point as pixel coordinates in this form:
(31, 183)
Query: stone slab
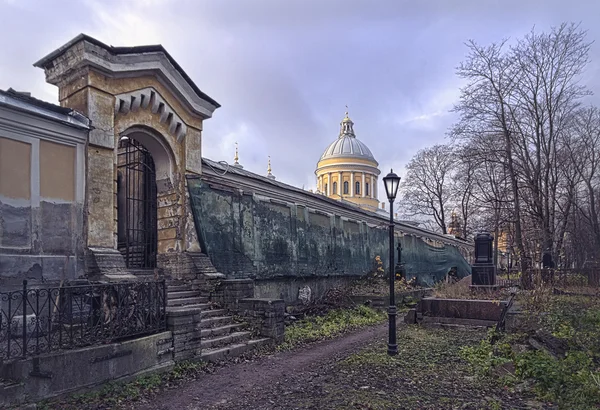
(461, 308)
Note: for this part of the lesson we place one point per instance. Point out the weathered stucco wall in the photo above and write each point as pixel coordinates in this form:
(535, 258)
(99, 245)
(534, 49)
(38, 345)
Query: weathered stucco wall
(287, 244)
(41, 199)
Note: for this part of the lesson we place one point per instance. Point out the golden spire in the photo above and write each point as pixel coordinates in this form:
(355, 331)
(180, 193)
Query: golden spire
(269, 174)
(236, 159)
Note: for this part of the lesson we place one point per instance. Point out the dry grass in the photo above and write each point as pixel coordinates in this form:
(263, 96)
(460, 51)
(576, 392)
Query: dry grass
(462, 290)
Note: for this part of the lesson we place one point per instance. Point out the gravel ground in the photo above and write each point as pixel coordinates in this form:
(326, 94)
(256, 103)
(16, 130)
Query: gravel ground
(352, 372)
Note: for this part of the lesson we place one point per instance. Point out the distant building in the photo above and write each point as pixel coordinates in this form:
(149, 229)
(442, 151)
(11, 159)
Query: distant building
(348, 170)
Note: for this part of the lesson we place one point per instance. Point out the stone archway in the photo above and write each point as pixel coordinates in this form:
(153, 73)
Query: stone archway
(136, 205)
(162, 154)
(144, 168)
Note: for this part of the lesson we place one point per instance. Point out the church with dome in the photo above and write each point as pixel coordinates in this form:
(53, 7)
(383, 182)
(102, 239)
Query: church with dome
(347, 170)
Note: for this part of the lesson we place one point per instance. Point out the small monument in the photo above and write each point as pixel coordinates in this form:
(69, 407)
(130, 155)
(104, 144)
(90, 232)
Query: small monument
(483, 270)
(304, 295)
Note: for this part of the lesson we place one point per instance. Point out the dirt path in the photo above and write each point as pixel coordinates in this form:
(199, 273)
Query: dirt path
(247, 378)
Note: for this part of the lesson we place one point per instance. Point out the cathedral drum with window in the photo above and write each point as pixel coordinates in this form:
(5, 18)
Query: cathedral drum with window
(347, 170)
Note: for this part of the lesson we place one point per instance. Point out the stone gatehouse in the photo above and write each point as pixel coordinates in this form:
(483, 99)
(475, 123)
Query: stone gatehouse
(127, 168)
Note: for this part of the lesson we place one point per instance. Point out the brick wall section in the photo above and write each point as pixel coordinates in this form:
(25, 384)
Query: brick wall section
(229, 292)
(265, 315)
(185, 325)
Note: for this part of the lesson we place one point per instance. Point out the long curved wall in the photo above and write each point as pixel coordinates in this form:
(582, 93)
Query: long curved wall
(286, 238)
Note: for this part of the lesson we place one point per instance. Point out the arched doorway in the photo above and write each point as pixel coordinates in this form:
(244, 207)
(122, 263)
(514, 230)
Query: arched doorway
(136, 205)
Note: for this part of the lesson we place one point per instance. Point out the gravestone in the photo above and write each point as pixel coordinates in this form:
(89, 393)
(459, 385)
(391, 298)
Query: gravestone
(483, 270)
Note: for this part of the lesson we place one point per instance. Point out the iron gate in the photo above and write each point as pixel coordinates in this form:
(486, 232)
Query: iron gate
(136, 205)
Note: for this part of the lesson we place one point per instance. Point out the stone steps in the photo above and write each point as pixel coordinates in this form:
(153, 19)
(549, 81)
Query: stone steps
(221, 330)
(177, 288)
(216, 321)
(213, 333)
(213, 312)
(195, 300)
(180, 294)
(226, 340)
(202, 306)
(221, 353)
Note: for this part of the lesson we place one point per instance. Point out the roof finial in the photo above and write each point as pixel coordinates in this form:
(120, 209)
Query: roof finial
(346, 126)
(237, 158)
(269, 174)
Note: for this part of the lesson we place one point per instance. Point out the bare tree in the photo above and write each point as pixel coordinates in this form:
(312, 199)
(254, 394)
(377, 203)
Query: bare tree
(485, 110)
(584, 151)
(463, 186)
(526, 96)
(545, 100)
(425, 189)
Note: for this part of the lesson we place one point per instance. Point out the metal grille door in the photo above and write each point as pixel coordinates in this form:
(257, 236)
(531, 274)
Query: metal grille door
(136, 205)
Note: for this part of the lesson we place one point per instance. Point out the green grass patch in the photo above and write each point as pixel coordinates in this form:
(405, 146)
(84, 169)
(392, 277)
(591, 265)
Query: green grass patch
(573, 381)
(334, 323)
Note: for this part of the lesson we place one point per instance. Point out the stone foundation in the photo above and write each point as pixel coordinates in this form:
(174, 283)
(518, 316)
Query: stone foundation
(68, 371)
(288, 288)
(104, 261)
(264, 315)
(185, 325)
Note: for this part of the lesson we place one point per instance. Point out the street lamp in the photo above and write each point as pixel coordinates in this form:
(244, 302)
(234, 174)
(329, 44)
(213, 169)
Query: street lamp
(391, 182)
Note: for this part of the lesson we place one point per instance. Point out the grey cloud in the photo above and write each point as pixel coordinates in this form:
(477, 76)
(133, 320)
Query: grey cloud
(283, 70)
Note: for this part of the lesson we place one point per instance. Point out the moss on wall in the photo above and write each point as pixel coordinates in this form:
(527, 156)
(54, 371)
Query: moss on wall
(246, 235)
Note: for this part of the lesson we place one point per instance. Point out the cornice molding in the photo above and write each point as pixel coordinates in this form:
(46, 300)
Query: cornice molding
(149, 98)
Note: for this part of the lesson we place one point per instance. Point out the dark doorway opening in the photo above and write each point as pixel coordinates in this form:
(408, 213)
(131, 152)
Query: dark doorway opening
(136, 205)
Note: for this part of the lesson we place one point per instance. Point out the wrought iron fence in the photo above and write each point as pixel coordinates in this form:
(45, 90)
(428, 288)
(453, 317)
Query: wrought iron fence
(508, 282)
(582, 277)
(36, 321)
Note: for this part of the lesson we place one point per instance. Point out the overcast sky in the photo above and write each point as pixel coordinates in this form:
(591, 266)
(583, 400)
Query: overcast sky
(284, 70)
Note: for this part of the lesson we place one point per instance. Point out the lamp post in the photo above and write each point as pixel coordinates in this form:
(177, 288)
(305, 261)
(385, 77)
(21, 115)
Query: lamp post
(391, 182)
(399, 268)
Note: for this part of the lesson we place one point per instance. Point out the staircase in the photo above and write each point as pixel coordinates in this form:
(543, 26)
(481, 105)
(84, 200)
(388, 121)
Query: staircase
(181, 295)
(220, 336)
